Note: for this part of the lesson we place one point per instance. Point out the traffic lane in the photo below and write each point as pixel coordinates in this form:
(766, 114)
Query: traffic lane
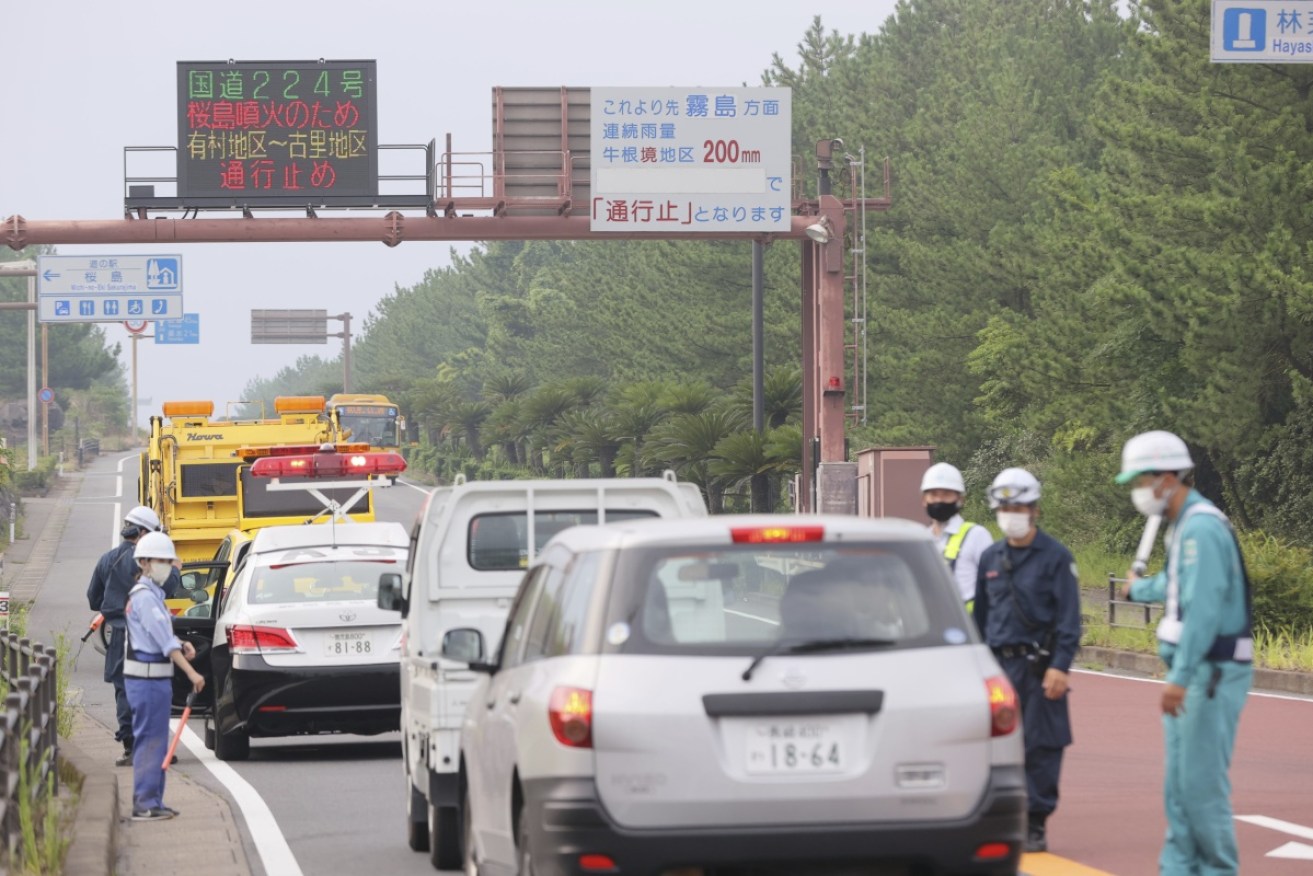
(1111, 812)
(339, 801)
(400, 503)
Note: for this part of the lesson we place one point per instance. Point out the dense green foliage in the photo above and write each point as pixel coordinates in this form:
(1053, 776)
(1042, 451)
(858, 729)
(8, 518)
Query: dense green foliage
(1095, 231)
(85, 374)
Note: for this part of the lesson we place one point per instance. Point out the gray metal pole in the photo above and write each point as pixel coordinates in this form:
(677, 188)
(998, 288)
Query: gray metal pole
(31, 371)
(27, 268)
(758, 339)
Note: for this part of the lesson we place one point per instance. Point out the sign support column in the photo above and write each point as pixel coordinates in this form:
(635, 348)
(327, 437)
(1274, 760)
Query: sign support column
(45, 381)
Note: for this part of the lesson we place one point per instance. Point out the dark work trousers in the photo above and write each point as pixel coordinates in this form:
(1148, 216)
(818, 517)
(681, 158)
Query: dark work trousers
(114, 675)
(1047, 729)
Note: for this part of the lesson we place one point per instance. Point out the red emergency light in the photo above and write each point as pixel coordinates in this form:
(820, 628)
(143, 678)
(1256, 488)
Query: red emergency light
(775, 534)
(329, 464)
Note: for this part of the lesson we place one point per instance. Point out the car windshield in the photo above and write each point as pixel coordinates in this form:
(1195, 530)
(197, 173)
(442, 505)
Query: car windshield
(753, 598)
(309, 580)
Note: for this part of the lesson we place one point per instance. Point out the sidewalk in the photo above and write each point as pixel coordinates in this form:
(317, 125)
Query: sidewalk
(204, 840)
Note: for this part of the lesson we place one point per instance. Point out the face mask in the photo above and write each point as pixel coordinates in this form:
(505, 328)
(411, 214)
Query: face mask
(1015, 524)
(942, 511)
(1146, 502)
(159, 572)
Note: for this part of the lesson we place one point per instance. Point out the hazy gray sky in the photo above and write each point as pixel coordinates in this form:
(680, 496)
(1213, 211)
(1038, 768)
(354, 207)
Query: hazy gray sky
(91, 78)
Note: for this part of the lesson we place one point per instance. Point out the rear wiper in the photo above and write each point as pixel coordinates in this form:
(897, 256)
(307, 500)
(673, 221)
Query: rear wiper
(813, 646)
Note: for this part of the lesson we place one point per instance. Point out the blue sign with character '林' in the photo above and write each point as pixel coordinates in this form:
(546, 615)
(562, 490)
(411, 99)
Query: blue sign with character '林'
(1262, 31)
(179, 331)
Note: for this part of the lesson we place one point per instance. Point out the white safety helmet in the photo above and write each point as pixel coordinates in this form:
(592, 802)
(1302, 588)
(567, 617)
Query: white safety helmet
(1154, 451)
(942, 476)
(1014, 486)
(144, 517)
(155, 546)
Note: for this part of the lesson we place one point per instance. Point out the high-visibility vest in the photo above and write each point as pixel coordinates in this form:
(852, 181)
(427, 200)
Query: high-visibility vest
(954, 545)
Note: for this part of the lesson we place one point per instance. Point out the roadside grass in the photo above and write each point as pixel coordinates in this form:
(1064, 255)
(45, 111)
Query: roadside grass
(45, 822)
(1273, 649)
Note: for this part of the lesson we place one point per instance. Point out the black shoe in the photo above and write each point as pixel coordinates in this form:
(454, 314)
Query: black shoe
(173, 760)
(1035, 841)
(170, 809)
(159, 813)
(124, 759)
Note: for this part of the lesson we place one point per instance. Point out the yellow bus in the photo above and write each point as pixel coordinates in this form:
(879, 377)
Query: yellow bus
(368, 418)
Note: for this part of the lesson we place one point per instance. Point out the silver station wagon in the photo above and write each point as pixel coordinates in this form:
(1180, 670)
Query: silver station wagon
(741, 694)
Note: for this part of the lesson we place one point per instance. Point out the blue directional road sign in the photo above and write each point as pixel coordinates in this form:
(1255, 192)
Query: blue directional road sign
(179, 331)
(1258, 32)
(103, 288)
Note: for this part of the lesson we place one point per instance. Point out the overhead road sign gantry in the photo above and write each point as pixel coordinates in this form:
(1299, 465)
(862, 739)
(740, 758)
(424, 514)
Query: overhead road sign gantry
(108, 288)
(1262, 32)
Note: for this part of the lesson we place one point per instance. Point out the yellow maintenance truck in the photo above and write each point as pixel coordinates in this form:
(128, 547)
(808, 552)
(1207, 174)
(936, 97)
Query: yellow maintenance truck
(195, 472)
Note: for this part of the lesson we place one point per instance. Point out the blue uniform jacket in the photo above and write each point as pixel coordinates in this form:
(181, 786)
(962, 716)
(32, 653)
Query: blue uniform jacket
(1044, 579)
(1212, 591)
(150, 627)
(115, 573)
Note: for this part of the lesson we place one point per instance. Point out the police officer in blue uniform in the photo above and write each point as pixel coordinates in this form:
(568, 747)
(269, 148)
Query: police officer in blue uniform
(1027, 607)
(113, 577)
(1205, 638)
(152, 652)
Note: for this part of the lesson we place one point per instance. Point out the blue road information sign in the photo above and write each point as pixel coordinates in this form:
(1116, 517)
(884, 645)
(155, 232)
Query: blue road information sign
(179, 331)
(46, 395)
(1262, 31)
(94, 288)
(691, 159)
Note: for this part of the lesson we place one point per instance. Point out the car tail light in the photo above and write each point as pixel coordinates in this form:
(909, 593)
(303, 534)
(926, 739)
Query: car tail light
(1003, 709)
(770, 534)
(570, 711)
(248, 639)
(993, 851)
(597, 864)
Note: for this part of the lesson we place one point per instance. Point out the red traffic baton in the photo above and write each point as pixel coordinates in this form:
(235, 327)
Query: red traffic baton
(182, 725)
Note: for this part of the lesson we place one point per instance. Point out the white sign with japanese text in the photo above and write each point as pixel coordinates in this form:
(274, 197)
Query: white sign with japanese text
(1262, 31)
(108, 288)
(691, 159)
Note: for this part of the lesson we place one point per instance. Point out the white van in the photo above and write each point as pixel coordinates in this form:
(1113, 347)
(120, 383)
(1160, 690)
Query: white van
(469, 548)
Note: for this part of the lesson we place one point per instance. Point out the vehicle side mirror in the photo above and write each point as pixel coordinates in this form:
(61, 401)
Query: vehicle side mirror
(464, 645)
(199, 596)
(390, 596)
(193, 581)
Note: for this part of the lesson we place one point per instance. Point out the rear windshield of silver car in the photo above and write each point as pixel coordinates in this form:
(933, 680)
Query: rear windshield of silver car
(738, 599)
(500, 542)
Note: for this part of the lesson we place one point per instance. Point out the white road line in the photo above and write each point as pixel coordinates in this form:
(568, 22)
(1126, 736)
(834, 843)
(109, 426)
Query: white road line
(1298, 830)
(1252, 693)
(423, 490)
(275, 854)
(764, 620)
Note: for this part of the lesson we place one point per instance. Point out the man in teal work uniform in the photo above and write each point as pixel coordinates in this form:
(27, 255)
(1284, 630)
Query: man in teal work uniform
(1205, 640)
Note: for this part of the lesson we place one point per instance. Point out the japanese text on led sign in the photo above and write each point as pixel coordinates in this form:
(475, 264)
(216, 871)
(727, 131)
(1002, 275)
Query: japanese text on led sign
(691, 159)
(256, 130)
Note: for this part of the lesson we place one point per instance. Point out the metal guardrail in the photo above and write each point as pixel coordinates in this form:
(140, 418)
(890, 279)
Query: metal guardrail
(88, 447)
(29, 742)
(1148, 613)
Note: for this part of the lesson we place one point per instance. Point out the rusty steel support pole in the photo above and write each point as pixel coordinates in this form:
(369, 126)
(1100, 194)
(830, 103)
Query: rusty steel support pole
(830, 334)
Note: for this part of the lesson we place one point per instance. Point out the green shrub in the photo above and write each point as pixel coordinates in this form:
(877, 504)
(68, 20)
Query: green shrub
(1282, 577)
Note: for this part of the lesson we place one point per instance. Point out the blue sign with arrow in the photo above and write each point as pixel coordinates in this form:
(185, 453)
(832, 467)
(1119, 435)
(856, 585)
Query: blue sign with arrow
(179, 331)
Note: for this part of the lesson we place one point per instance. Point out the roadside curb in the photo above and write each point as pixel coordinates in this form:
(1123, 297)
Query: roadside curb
(93, 848)
(1274, 680)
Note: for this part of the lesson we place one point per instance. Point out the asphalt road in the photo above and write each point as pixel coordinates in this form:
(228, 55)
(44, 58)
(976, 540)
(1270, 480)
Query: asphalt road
(339, 800)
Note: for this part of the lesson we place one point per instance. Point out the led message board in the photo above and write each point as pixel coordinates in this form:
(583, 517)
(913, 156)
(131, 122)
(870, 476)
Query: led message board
(277, 131)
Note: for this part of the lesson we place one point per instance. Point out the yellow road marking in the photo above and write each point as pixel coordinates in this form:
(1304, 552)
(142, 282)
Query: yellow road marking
(1045, 864)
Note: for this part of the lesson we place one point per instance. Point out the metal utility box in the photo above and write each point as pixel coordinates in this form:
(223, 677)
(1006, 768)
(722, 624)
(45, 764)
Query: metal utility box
(889, 481)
